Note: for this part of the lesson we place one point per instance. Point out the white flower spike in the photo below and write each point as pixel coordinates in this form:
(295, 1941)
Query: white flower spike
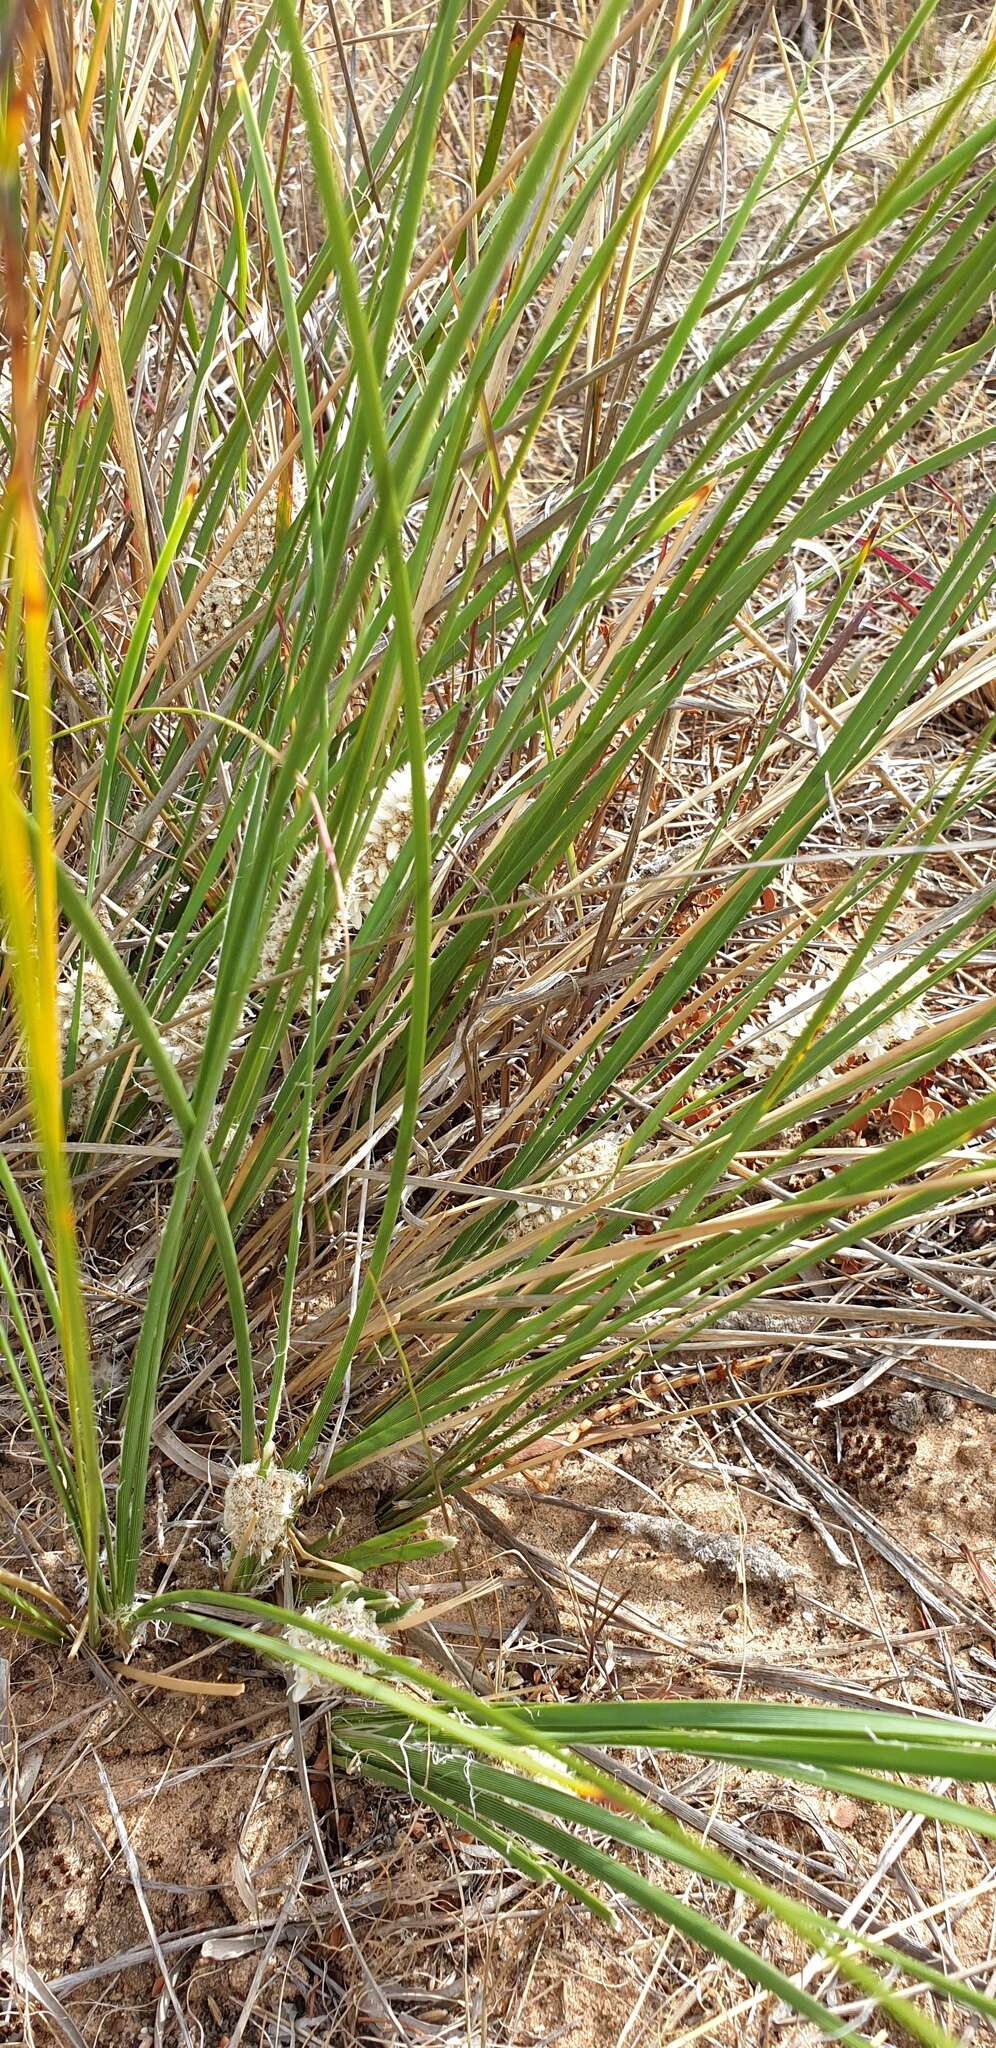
(389, 829)
(259, 1508)
(355, 1618)
(99, 1025)
(788, 1016)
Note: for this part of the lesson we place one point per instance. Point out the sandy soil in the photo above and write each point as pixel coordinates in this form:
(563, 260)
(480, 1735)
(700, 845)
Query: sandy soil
(208, 1797)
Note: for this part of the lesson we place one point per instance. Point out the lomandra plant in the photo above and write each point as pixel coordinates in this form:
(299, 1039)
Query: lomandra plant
(449, 1075)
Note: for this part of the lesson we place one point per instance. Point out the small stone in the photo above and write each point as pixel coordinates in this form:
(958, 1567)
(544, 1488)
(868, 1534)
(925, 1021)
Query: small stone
(844, 1812)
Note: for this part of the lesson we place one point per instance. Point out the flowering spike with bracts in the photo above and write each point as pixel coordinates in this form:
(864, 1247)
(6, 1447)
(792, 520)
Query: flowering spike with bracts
(259, 1508)
(223, 603)
(96, 1034)
(355, 1618)
(388, 832)
(282, 922)
(183, 1034)
(789, 1016)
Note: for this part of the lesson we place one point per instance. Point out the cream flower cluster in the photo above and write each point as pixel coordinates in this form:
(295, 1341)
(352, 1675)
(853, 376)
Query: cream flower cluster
(184, 1033)
(282, 922)
(354, 1618)
(577, 1181)
(223, 603)
(388, 832)
(285, 914)
(788, 1016)
(183, 1037)
(881, 1035)
(97, 1033)
(259, 1508)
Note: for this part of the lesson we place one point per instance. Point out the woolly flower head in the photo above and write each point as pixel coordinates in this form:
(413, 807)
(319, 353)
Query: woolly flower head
(354, 1618)
(282, 921)
(184, 1033)
(788, 1016)
(259, 1506)
(581, 1179)
(183, 1037)
(97, 1032)
(388, 831)
(882, 1033)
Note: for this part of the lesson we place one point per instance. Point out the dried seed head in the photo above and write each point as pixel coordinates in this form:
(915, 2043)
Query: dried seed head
(943, 1407)
(354, 1618)
(873, 1453)
(259, 1507)
(99, 1025)
(906, 1412)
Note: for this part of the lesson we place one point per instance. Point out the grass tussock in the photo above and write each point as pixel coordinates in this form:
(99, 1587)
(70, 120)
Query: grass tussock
(495, 780)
